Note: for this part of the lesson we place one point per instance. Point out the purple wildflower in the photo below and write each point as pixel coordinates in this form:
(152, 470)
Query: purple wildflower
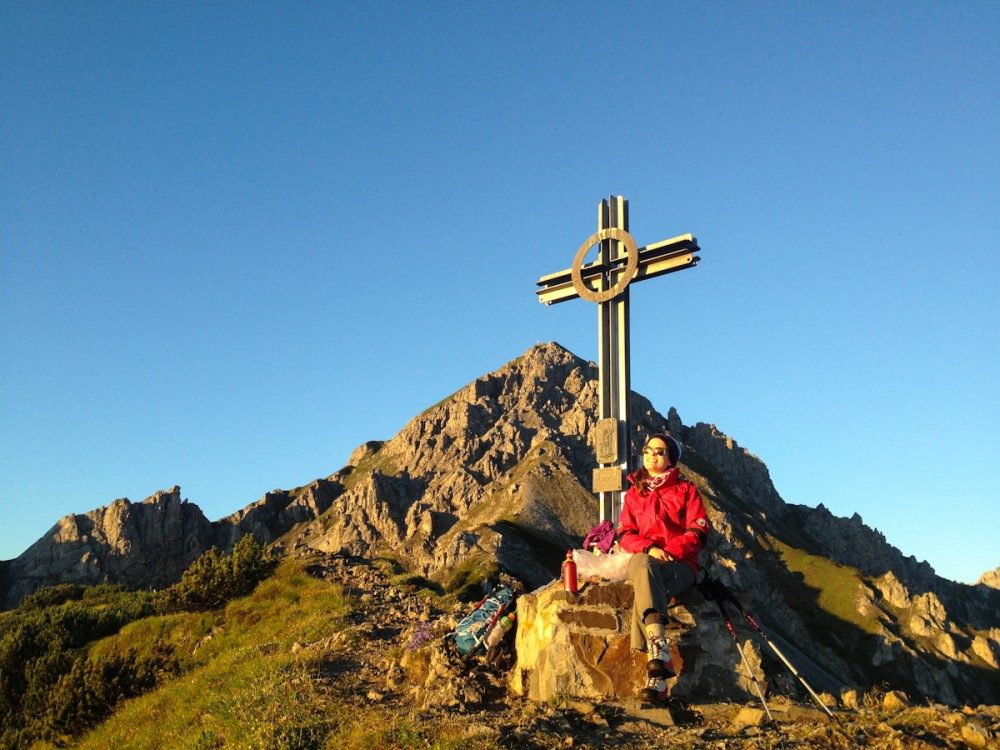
(422, 633)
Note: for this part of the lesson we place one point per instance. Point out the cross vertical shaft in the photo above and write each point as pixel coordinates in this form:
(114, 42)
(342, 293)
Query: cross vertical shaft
(614, 381)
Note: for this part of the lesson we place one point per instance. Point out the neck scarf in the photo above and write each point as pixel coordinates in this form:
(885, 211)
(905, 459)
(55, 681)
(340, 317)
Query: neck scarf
(655, 482)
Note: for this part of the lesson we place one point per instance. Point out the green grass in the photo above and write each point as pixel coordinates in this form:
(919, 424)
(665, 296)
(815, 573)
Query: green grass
(254, 696)
(182, 632)
(377, 730)
(417, 584)
(388, 565)
(465, 581)
(837, 586)
(243, 687)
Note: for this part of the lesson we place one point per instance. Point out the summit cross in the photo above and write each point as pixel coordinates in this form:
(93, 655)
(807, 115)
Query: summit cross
(606, 281)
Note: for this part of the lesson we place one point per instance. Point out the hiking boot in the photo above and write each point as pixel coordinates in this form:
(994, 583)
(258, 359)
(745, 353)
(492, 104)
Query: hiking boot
(658, 650)
(663, 669)
(655, 691)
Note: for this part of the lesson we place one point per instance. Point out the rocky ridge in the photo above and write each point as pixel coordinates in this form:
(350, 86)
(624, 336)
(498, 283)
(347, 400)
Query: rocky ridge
(141, 545)
(497, 475)
(150, 543)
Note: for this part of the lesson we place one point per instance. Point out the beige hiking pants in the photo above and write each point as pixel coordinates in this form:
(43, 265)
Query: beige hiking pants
(654, 583)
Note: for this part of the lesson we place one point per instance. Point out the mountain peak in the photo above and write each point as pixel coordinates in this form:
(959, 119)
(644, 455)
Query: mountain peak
(497, 477)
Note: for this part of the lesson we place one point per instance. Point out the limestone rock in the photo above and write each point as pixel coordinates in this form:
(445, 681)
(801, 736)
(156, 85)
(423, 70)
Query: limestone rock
(748, 716)
(990, 578)
(439, 682)
(976, 736)
(740, 469)
(893, 591)
(363, 451)
(149, 544)
(145, 544)
(849, 698)
(578, 646)
(442, 491)
(851, 542)
(987, 648)
(277, 512)
(895, 701)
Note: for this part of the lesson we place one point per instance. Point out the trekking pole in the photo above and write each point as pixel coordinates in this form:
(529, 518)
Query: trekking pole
(720, 590)
(746, 663)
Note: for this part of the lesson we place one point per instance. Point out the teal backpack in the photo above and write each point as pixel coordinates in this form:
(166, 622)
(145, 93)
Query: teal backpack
(471, 633)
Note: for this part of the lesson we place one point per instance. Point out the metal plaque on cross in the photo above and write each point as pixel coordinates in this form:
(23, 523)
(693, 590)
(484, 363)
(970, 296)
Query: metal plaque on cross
(606, 281)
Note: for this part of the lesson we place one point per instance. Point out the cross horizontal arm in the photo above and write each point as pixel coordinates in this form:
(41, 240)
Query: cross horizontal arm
(669, 255)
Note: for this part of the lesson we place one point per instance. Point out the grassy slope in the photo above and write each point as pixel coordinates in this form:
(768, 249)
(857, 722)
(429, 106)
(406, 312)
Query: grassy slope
(837, 586)
(245, 688)
(241, 687)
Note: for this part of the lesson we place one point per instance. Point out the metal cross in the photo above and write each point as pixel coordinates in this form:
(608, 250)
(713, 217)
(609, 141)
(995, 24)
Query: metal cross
(605, 281)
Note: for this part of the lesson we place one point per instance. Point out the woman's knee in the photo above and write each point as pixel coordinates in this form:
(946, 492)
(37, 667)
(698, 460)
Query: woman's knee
(639, 564)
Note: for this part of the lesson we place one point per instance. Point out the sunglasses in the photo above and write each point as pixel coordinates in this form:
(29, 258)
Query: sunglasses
(654, 451)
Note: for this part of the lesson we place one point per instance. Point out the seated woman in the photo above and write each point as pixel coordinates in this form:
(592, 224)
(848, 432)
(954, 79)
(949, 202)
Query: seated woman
(663, 521)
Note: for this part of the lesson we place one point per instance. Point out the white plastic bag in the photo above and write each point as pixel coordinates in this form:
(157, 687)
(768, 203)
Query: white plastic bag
(612, 567)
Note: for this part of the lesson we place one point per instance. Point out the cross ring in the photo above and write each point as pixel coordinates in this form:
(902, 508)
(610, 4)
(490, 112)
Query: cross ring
(631, 267)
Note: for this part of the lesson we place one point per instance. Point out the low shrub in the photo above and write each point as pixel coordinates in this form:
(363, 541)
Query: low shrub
(51, 596)
(89, 690)
(215, 578)
(48, 688)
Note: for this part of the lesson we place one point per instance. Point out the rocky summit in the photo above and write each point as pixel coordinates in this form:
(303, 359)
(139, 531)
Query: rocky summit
(495, 478)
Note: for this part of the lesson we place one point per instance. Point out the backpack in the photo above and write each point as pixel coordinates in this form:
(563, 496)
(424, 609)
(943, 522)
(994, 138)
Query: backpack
(470, 634)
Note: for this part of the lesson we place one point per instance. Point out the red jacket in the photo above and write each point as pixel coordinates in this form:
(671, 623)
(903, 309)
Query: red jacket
(671, 517)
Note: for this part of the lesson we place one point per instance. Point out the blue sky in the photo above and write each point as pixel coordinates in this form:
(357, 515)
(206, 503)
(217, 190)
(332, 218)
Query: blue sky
(239, 239)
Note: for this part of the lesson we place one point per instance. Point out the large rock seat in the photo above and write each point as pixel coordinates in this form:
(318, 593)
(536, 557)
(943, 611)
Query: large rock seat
(578, 646)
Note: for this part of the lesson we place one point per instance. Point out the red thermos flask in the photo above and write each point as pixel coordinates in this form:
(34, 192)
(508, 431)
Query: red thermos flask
(569, 573)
